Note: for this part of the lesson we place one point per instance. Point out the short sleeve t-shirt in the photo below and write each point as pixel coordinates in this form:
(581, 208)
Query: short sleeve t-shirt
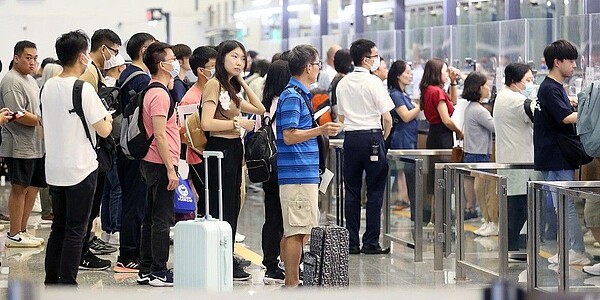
(297, 163)
(553, 107)
(226, 108)
(69, 156)
(157, 102)
(433, 96)
(20, 93)
(193, 96)
(407, 132)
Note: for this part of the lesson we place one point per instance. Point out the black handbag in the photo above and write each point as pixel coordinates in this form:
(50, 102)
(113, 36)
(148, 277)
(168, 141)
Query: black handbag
(572, 149)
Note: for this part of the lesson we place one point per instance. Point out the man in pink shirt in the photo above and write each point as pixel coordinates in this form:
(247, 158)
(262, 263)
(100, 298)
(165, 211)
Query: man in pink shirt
(202, 62)
(158, 168)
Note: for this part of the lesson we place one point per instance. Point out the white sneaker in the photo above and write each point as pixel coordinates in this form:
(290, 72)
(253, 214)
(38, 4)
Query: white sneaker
(592, 270)
(30, 236)
(239, 237)
(575, 258)
(490, 230)
(115, 238)
(18, 241)
(480, 229)
(105, 236)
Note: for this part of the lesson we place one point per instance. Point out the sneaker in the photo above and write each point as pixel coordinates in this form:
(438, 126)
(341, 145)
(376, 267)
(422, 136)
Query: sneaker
(115, 239)
(161, 279)
(30, 236)
(19, 241)
(239, 237)
(592, 270)
(490, 230)
(128, 266)
(105, 237)
(240, 275)
(91, 262)
(242, 262)
(144, 277)
(575, 258)
(276, 276)
(4, 218)
(48, 217)
(99, 247)
(483, 227)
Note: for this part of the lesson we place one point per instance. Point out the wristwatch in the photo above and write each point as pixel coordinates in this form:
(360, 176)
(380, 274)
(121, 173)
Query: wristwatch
(236, 123)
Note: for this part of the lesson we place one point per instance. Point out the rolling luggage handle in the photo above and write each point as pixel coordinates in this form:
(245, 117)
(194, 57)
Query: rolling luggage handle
(219, 156)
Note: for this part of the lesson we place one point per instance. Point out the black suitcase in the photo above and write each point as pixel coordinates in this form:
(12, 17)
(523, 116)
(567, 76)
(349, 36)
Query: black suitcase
(326, 264)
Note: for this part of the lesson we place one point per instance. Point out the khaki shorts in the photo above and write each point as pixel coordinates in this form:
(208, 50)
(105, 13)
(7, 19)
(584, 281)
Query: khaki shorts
(591, 213)
(299, 208)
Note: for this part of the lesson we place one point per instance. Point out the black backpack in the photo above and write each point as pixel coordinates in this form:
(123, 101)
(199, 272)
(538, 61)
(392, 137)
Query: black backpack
(134, 141)
(105, 147)
(261, 153)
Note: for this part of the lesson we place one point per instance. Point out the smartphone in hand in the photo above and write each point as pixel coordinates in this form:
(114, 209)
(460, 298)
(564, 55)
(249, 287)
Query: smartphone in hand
(15, 115)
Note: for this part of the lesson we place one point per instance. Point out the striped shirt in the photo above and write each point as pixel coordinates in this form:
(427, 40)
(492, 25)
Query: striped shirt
(297, 163)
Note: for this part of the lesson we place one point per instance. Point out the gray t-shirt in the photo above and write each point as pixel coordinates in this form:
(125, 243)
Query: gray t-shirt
(479, 127)
(21, 93)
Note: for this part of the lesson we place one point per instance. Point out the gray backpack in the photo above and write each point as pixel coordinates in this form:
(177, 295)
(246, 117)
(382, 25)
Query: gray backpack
(588, 117)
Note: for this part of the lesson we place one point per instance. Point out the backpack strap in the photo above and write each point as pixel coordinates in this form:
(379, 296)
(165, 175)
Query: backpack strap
(527, 107)
(100, 83)
(129, 78)
(78, 109)
(160, 85)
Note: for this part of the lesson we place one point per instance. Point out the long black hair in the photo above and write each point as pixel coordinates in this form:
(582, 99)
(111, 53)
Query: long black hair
(397, 69)
(277, 79)
(232, 86)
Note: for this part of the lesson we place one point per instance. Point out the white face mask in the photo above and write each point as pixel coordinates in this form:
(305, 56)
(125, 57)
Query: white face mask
(376, 63)
(89, 62)
(112, 61)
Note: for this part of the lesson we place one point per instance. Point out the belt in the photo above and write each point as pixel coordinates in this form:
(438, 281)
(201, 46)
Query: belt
(364, 131)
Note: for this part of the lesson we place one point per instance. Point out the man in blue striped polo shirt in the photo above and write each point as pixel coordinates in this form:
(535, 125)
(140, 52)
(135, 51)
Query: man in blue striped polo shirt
(298, 157)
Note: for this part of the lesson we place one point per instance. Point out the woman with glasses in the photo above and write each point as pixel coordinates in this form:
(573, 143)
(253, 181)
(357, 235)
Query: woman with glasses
(221, 108)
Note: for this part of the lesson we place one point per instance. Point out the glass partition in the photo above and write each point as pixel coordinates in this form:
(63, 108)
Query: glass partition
(441, 40)
(418, 45)
(487, 47)
(540, 33)
(386, 45)
(592, 56)
(464, 46)
(328, 40)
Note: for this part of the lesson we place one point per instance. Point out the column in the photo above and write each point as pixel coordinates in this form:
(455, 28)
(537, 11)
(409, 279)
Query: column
(285, 25)
(591, 7)
(450, 12)
(512, 9)
(324, 17)
(359, 20)
(400, 15)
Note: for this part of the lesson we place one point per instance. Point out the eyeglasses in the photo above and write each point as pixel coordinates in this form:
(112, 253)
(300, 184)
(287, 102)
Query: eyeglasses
(116, 51)
(318, 63)
(372, 56)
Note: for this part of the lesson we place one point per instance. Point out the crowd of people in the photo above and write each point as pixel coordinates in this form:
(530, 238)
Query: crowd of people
(48, 146)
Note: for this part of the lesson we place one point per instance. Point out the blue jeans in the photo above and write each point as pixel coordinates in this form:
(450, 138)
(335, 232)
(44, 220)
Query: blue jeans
(476, 158)
(575, 234)
(110, 214)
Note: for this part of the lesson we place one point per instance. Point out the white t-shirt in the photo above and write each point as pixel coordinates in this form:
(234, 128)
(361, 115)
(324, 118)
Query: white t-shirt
(69, 155)
(326, 76)
(362, 100)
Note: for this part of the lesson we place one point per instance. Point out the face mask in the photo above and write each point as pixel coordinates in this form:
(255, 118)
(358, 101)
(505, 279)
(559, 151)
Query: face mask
(176, 68)
(112, 61)
(190, 76)
(376, 63)
(111, 57)
(528, 89)
(89, 62)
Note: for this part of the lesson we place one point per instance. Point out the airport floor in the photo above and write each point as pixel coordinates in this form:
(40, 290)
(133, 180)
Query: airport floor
(393, 272)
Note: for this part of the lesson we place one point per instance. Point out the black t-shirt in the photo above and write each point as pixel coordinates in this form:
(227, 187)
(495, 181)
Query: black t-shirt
(553, 107)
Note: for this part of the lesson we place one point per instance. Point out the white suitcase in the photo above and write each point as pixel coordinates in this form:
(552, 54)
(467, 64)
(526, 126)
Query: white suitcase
(203, 247)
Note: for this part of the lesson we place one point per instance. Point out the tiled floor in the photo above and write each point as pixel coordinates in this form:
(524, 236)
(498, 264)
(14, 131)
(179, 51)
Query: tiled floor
(394, 271)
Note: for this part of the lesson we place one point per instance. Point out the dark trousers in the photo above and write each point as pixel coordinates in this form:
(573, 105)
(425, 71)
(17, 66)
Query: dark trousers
(232, 178)
(133, 197)
(111, 201)
(272, 230)
(71, 206)
(158, 217)
(517, 215)
(357, 149)
(94, 212)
